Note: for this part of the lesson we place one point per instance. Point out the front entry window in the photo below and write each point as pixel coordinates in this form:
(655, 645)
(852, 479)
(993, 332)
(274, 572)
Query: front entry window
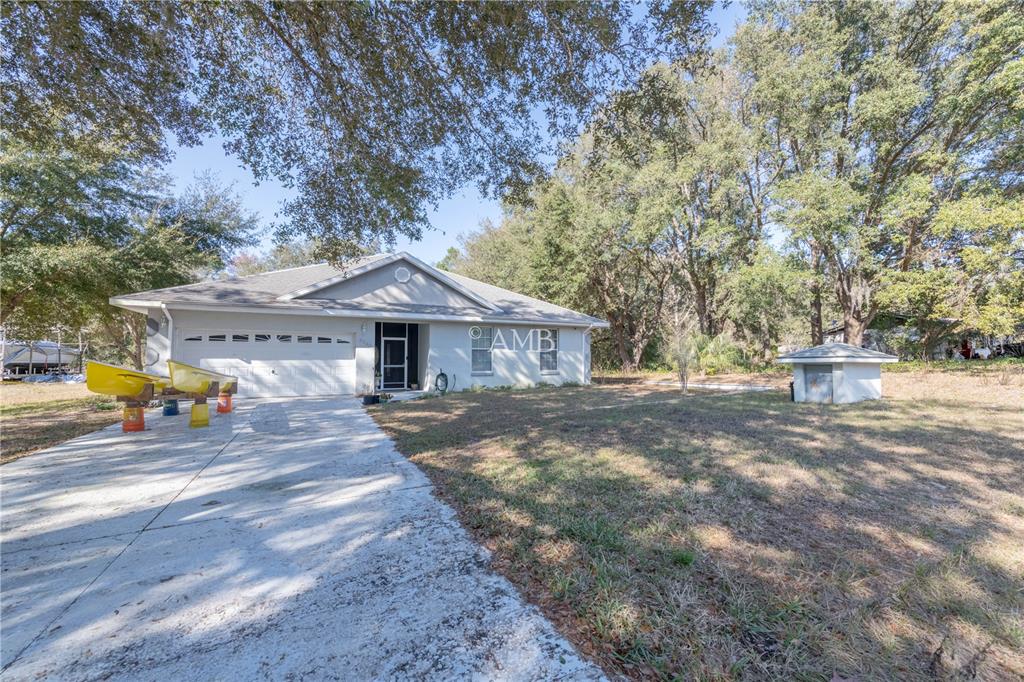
(482, 350)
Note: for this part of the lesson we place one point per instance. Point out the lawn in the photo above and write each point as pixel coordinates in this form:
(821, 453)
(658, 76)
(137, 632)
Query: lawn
(36, 416)
(745, 537)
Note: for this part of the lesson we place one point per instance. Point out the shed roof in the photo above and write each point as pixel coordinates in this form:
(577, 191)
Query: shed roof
(835, 352)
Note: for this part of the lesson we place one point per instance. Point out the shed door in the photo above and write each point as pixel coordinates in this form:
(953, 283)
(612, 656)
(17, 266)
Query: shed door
(818, 383)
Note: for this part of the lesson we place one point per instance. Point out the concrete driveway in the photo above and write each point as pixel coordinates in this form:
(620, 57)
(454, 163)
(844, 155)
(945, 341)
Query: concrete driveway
(288, 540)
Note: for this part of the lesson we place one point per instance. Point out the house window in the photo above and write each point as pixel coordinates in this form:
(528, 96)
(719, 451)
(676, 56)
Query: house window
(193, 339)
(240, 338)
(304, 339)
(219, 338)
(482, 350)
(261, 338)
(342, 341)
(284, 338)
(323, 339)
(549, 352)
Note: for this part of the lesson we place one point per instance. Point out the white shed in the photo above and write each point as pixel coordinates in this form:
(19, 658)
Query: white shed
(836, 373)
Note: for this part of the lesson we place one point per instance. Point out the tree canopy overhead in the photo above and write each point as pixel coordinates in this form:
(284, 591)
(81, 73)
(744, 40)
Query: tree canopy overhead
(372, 111)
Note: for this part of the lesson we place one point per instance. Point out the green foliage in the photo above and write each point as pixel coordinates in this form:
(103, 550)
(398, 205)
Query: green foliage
(282, 256)
(82, 224)
(934, 301)
(904, 110)
(212, 220)
(766, 296)
(372, 111)
(716, 354)
(450, 260)
(682, 557)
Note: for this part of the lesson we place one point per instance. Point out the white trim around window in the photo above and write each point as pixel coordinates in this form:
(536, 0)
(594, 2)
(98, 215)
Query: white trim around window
(482, 356)
(549, 358)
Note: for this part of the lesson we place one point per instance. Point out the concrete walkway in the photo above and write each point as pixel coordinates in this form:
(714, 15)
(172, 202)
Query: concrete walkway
(288, 540)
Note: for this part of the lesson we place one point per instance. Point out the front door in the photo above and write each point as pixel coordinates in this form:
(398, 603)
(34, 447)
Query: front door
(393, 363)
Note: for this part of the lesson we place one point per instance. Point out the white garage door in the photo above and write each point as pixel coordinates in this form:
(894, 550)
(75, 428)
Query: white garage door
(274, 363)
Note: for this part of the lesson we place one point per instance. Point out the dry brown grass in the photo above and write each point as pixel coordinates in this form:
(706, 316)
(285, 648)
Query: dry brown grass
(36, 416)
(19, 393)
(743, 536)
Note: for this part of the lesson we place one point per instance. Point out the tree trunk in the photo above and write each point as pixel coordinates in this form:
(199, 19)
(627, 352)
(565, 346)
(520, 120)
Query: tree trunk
(618, 332)
(854, 291)
(854, 328)
(817, 332)
(138, 341)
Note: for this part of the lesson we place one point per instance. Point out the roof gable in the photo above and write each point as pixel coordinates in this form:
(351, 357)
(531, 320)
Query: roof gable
(397, 282)
(423, 274)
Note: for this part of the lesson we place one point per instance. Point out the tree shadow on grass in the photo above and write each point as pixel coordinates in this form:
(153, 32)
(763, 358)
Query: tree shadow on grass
(745, 536)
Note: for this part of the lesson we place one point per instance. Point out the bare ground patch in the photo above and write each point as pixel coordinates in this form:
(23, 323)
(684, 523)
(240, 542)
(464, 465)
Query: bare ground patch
(745, 537)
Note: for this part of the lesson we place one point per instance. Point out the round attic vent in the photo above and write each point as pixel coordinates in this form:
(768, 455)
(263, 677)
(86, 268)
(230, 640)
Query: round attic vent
(402, 274)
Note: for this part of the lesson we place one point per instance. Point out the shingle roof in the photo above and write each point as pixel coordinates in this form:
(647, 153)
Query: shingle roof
(836, 352)
(520, 306)
(266, 290)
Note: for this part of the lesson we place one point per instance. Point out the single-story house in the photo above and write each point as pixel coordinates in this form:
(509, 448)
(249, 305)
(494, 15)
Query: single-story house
(382, 322)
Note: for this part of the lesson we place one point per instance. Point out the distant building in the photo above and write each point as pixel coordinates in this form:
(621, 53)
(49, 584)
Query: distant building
(893, 334)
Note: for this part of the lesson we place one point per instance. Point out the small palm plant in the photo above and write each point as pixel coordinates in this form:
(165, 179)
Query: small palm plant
(694, 351)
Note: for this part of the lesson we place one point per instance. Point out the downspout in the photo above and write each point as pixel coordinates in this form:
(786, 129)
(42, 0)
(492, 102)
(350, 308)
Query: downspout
(170, 331)
(589, 369)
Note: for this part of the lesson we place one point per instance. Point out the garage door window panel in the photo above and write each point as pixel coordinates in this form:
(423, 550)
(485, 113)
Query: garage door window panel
(324, 367)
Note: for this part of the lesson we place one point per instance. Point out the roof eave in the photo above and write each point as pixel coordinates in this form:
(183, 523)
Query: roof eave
(136, 306)
(291, 309)
(836, 359)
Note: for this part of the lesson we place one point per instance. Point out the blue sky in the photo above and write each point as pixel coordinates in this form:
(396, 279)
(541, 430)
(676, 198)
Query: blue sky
(457, 216)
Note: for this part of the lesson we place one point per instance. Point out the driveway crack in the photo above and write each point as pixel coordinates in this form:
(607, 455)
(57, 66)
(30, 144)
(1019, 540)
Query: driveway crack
(138, 534)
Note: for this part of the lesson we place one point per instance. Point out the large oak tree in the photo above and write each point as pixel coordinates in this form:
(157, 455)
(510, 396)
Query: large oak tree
(888, 113)
(372, 111)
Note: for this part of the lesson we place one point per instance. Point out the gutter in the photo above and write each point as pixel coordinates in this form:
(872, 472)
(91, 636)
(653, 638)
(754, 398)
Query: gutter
(141, 306)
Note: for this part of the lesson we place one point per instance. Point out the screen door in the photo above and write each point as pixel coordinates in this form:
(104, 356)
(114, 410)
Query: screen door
(393, 364)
